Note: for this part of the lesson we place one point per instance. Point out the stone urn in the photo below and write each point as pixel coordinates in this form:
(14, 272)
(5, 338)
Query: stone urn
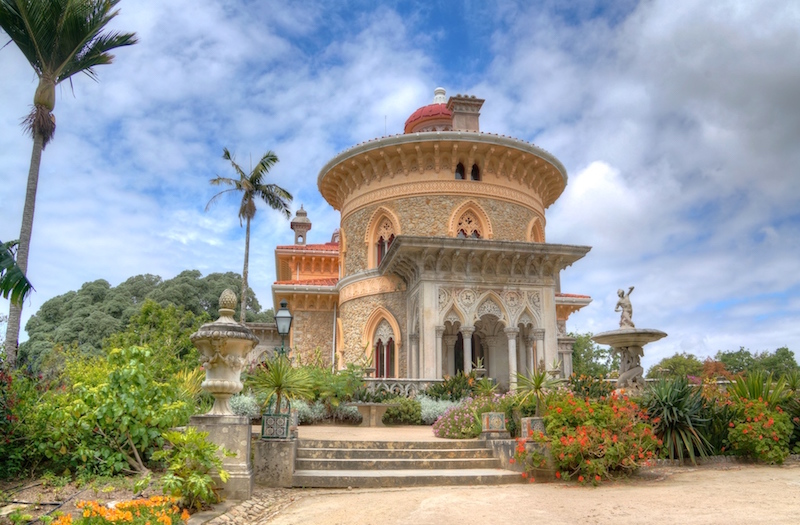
(223, 345)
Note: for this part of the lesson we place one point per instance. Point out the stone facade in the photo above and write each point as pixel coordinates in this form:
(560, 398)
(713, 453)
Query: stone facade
(312, 334)
(355, 314)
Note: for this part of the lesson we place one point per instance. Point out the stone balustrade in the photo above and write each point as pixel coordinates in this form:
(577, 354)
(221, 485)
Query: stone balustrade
(400, 386)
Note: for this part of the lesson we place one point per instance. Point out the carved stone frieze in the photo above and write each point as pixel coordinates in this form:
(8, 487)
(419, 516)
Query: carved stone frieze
(440, 187)
(535, 301)
(372, 286)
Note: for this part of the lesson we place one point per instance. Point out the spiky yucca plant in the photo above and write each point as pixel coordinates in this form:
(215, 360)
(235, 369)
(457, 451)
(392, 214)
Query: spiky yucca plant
(760, 385)
(675, 409)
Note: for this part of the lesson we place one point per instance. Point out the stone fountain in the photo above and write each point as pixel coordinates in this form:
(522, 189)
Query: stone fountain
(629, 342)
(224, 345)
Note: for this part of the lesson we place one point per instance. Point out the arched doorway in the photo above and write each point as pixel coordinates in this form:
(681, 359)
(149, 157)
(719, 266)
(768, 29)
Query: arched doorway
(478, 355)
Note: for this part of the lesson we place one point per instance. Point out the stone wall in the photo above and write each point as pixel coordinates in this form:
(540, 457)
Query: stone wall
(354, 315)
(430, 216)
(312, 330)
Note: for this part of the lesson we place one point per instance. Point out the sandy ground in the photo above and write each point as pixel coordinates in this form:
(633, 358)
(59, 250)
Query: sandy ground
(729, 494)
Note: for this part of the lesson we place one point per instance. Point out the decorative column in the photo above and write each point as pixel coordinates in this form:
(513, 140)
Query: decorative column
(511, 333)
(450, 347)
(539, 353)
(414, 357)
(439, 333)
(530, 360)
(466, 334)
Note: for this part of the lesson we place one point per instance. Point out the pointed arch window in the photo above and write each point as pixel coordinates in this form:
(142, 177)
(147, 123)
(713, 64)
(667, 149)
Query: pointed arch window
(384, 240)
(476, 173)
(468, 226)
(384, 358)
(460, 172)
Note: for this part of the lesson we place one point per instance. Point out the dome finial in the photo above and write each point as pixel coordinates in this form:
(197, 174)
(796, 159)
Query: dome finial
(438, 96)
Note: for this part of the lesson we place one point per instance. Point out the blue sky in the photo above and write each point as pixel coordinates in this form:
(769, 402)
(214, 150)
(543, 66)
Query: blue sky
(678, 123)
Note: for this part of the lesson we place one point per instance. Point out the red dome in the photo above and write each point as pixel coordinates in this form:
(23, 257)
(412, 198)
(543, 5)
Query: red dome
(426, 113)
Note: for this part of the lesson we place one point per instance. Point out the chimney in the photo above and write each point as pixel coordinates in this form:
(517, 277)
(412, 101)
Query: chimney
(466, 112)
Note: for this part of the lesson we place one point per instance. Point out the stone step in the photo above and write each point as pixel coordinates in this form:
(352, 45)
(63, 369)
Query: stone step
(403, 478)
(396, 464)
(376, 453)
(392, 445)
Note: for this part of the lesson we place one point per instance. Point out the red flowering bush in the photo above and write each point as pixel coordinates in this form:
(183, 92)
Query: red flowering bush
(591, 439)
(760, 432)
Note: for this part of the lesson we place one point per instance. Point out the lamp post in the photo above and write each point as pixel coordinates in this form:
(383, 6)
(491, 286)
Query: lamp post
(283, 318)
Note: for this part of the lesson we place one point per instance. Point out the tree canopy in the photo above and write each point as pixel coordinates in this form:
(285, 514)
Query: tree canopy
(725, 364)
(590, 359)
(90, 315)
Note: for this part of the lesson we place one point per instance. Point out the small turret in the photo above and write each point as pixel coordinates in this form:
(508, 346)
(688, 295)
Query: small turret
(300, 225)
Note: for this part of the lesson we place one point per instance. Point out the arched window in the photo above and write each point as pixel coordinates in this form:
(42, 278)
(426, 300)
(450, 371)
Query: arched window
(460, 172)
(384, 240)
(384, 358)
(476, 173)
(468, 226)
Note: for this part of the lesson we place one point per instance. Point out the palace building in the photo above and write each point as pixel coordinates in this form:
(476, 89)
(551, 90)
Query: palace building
(440, 262)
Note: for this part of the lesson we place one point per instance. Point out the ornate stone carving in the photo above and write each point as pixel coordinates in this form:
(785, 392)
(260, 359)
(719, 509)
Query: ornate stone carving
(535, 300)
(443, 299)
(452, 318)
(489, 307)
(384, 332)
(525, 319)
(466, 298)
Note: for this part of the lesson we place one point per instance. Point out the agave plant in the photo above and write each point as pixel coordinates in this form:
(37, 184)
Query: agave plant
(676, 410)
(279, 379)
(536, 386)
(758, 385)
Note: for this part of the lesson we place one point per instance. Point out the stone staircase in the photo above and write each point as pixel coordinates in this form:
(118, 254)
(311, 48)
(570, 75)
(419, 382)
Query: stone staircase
(341, 464)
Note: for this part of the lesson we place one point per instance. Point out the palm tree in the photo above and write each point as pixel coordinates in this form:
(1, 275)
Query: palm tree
(59, 38)
(252, 187)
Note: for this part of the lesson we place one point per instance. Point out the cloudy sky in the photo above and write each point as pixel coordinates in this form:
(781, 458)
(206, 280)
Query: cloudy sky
(678, 123)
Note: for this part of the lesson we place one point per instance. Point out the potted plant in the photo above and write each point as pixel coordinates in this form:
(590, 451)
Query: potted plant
(534, 388)
(278, 379)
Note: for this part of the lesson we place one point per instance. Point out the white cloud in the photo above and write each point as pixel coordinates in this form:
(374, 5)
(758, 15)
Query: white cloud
(678, 124)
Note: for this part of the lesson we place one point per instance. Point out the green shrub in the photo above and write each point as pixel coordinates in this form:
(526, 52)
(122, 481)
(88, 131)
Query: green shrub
(347, 414)
(453, 388)
(591, 440)
(190, 461)
(245, 405)
(432, 409)
(760, 432)
(719, 409)
(309, 414)
(403, 411)
(463, 420)
(676, 411)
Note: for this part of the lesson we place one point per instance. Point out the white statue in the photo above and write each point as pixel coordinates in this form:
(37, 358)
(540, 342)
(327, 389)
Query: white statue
(624, 305)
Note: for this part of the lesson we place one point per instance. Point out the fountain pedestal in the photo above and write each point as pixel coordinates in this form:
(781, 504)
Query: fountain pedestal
(629, 343)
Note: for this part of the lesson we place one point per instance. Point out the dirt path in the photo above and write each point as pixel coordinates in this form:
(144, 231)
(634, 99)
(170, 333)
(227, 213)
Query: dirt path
(727, 495)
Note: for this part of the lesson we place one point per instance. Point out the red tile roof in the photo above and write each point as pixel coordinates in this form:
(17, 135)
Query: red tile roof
(330, 281)
(429, 112)
(328, 247)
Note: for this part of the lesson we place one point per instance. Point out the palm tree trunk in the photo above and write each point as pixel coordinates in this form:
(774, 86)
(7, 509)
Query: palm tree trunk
(243, 312)
(15, 311)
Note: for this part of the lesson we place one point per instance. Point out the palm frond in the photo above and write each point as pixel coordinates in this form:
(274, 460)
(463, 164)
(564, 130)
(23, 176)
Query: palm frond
(13, 282)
